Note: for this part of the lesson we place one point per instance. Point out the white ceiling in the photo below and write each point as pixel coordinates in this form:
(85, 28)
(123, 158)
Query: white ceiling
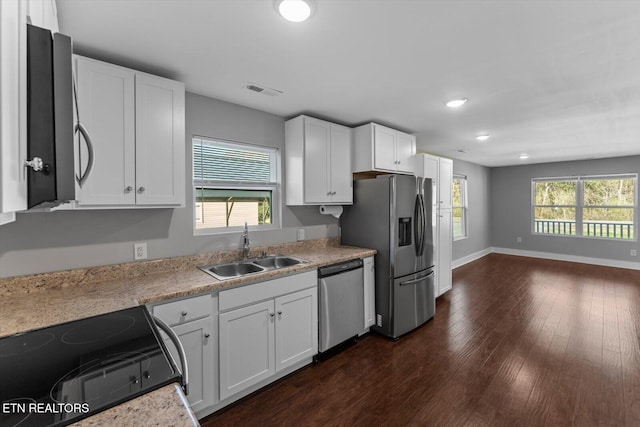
(559, 80)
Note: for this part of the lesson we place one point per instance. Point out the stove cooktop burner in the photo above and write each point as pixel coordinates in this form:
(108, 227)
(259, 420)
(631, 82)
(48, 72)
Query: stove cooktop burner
(25, 343)
(97, 329)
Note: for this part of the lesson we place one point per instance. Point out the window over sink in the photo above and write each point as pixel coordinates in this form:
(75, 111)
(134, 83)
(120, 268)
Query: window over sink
(235, 183)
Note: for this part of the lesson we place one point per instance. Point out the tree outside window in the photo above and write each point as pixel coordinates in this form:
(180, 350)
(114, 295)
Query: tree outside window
(459, 206)
(588, 206)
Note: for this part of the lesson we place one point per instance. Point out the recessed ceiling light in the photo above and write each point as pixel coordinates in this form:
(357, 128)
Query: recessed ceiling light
(295, 10)
(455, 103)
(482, 137)
(524, 156)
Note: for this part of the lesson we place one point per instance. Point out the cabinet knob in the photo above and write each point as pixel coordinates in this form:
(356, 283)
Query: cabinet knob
(207, 334)
(134, 380)
(184, 313)
(328, 193)
(279, 313)
(146, 375)
(129, 189)
(141, 190)
(272, 314)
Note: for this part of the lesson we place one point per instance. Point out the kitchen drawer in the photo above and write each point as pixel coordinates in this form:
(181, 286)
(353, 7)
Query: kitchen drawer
(186, 310)
(244, 295)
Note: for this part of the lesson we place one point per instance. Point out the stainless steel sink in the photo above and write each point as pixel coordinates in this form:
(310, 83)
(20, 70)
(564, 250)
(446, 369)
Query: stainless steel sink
(235, 269)
(277, 261)
(250, 266)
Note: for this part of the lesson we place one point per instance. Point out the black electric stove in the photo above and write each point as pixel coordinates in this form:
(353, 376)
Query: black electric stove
(58, 375)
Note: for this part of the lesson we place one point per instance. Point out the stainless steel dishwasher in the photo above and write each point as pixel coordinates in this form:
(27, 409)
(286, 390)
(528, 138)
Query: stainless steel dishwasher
(341, 311)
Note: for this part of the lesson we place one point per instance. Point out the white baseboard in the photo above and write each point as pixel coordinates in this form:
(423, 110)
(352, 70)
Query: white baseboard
(571, 258)
(472, 257)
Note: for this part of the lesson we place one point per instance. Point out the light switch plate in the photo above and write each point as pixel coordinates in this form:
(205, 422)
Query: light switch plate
(300, 234)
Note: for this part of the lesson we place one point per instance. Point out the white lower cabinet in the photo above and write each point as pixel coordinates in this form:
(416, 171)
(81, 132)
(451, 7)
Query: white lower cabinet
(444, 253)
(296, 327)
(197, 338)
(266, 330)
(194, 322)
(246, 347)
(369, 292)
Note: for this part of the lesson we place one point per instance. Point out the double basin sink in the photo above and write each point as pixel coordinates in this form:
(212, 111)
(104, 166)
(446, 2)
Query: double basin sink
(250, 266)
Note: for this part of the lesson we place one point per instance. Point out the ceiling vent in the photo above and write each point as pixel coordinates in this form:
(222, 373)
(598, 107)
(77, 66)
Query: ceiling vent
(263, 90)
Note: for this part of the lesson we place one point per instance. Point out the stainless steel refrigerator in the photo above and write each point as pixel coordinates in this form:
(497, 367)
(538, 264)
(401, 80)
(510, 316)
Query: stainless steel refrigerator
(393, 214)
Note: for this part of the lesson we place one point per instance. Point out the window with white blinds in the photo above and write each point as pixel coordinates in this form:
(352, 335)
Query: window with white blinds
(234, 183)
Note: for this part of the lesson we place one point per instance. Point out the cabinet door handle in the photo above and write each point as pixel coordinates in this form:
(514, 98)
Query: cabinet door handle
(328, 193)
(279, 313)
(207, 334)
(272, 314)
(184, 313)
(129, 189)
(141, 190)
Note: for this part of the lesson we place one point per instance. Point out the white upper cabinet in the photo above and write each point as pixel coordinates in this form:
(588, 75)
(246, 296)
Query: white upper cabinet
(160, 148)
(445, 173)
(440, 170)
(106, 157)
(317, 162)
(380, 148)
(13, 108)
(132, 153)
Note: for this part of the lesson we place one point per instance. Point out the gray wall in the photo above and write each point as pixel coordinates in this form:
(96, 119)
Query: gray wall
(479, 209)
(40, 242)
(511, 209)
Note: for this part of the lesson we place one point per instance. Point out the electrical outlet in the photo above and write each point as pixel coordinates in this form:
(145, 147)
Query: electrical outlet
(140, 251)
(379, 320)
(300, 234)
(519, 239)
(634, 252)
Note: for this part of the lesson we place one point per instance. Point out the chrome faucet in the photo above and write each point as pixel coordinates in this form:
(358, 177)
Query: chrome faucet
(245, 242)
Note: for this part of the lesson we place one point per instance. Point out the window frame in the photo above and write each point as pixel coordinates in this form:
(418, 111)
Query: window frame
(580, 206)
(274, 186)
(464, 196)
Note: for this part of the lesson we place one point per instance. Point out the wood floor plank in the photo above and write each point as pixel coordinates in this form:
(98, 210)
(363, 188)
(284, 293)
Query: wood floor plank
(517, 341)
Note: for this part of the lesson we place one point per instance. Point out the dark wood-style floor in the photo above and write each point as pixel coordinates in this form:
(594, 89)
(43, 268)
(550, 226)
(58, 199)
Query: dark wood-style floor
(518, 341)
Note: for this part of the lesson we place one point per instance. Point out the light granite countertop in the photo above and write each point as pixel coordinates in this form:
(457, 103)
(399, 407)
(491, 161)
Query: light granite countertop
(166, 406)
(31, 302)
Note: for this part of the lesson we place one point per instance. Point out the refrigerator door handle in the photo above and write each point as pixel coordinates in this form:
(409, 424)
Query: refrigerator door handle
(420, 227)
(424, 224)
(417, 226)
(414, 281)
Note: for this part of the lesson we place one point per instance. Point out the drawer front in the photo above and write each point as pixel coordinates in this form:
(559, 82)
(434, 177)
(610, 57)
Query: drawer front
(249, 294)
(182, 311)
